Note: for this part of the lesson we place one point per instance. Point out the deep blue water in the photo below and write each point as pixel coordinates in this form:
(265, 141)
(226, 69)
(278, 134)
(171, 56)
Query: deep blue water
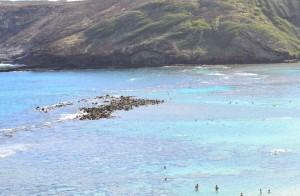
(236, 126)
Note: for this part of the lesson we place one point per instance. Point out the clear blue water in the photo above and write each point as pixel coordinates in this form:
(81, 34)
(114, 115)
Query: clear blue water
(220, 125)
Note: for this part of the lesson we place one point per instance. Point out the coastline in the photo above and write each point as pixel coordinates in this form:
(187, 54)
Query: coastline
(68, 68)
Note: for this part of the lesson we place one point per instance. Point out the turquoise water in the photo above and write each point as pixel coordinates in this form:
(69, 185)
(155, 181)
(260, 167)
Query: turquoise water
(236, 126)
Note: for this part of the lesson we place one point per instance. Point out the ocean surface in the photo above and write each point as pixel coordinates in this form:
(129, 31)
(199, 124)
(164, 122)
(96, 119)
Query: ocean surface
(235, 126)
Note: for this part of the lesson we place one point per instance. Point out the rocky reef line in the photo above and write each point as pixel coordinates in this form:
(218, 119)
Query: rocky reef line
(102, 106)
(116, 103)
(95, 108)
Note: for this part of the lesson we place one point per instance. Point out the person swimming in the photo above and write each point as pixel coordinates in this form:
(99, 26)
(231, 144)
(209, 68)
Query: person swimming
(217, 188)
(197, 187)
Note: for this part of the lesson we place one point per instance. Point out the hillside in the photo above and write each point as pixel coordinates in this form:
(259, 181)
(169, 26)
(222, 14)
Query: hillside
(131, 33)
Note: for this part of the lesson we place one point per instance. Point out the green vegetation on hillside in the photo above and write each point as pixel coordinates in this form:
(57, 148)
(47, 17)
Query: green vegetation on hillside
(167, 31)
(206, 26)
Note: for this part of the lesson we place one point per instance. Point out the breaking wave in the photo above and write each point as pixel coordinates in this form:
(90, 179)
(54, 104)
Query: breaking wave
(6, 65)
(279, 151)
(10, 150)
(245, 74)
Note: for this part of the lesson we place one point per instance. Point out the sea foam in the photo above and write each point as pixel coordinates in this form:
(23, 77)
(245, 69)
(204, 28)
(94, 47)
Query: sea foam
(6, 151)
(6, 65)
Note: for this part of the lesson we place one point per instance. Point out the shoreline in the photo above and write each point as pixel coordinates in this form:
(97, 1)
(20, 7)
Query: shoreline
(37, 69)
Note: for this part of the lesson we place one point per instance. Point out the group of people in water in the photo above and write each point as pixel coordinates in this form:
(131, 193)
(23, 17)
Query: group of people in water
(217, 190)
(260, 192)
(197, 187)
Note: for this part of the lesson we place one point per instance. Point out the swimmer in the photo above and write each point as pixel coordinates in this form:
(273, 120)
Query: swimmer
(197, 187)
(269, 191)
(165, 167)
(217, 188)
(260, 191)
(242, 194)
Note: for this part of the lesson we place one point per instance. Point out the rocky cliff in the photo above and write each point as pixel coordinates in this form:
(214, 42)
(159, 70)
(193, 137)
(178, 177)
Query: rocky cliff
(131, 33)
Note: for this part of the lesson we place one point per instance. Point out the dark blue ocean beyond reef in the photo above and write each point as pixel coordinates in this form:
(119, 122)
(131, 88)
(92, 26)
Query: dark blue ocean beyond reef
(234, 126)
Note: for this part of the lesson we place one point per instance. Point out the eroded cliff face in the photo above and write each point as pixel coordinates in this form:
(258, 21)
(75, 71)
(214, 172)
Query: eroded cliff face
(286, 9)
(130, 33)
(17, 26)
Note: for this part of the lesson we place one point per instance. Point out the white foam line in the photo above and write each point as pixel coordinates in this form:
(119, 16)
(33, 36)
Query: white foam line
(216, 74)
(132, 79)
(279, 151)
(10, 150)
(14, 129)
(246, 74)
(5, 65)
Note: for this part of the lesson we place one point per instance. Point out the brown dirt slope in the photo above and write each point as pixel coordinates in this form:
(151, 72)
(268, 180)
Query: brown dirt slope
(131, 33)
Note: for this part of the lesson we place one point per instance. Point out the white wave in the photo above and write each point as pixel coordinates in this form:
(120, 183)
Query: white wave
(128, 90)
(48, 124)
(181, 135)
(6, 130)
(212, 67)
(6, 151)
(285, 118)
(245, 74)
(173, 66)
(133, 79)
(203, 82)
(6, 65)
(279, 151)
(216, 74)
(14, 129)
(65, 117)
(279, 118)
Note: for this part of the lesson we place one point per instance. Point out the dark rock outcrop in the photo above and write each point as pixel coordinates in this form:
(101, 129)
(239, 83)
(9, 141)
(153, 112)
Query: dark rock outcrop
(121, 103)
(102, 106)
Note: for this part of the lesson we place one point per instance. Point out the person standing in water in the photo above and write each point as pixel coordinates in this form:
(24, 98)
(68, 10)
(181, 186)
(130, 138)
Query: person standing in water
(197, 187)
(260, 191)
(217, 188)
(242, 194)
(269, 191)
